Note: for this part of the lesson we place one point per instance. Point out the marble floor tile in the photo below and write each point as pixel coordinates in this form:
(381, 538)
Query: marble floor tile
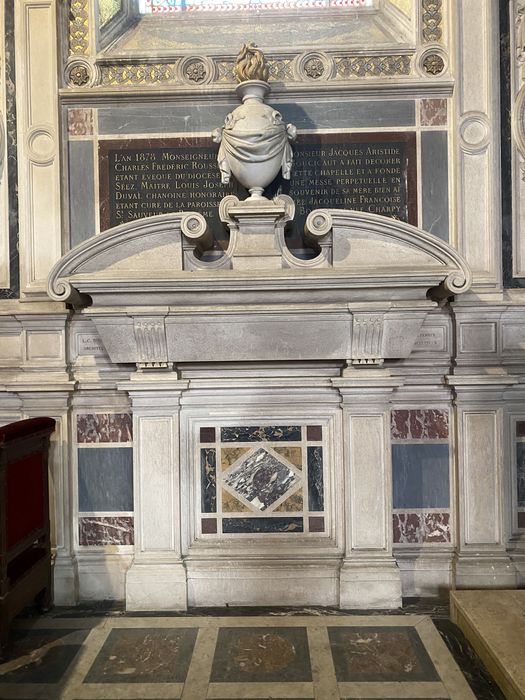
(323, 655)
(144, 656)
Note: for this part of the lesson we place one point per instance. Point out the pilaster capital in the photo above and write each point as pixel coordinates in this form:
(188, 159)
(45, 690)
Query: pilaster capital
(154, 390)
(366, 388)
(481, 388)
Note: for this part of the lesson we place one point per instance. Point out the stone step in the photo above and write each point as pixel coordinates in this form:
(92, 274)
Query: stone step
(493, 621)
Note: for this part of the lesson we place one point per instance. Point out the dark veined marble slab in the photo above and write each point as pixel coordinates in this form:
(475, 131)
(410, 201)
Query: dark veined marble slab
(261, 433)
(261, 525)
(315, 479)
(261, 479)
(208, 480)
(520, 468)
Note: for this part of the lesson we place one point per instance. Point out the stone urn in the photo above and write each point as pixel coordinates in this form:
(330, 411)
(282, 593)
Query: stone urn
(254, 141)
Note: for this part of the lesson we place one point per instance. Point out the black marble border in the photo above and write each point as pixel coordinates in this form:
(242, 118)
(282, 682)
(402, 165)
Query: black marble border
(13, 292)
(506, 148)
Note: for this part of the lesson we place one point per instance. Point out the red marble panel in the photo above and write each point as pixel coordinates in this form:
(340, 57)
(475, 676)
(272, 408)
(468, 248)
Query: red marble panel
(433, 112)
(104, 427)
(104, 531)
(316, 524)
(421, 528)
(209, 526)
(80, 122)
(314, 432)
(207, 434)
(521, 520)
(419, 424)
(520, 428)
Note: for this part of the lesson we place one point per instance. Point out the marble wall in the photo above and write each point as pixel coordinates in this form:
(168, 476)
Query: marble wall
(270, 473)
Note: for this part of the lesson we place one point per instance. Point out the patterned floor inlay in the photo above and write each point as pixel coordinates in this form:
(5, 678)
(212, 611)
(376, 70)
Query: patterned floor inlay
(225, 658)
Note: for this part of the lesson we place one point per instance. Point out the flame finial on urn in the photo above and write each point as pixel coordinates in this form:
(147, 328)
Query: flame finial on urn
(254, 142)
(251, 64)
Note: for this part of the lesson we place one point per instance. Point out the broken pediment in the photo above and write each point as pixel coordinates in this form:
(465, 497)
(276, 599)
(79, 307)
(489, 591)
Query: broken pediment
(156, 302)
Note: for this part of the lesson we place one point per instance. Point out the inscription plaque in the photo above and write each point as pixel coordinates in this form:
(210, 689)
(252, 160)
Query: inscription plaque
(374, 172)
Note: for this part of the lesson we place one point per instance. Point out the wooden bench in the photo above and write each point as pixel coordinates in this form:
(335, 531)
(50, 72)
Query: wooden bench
(25, 550)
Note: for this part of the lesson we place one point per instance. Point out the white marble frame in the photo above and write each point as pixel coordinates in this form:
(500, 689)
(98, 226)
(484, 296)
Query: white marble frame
(266, 404)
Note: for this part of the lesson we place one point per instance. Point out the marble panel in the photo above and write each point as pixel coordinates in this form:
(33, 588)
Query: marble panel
(104, 427)
(49, 655)
(315, 479)
(207, 434)
(420, 475)
(419, 424)
(148, 655)
(292, 504)
(261, 479)
(11, 138)
(306, 114)
(434, 180)
(521, 520)
(421, 528)
(106, 531)
(314, 433)
(293, 454)
(230, 504)
(520, 428)
(229, 455)
(261, 655)
(261, 525)
(82, 222)
(266, 433)
(433, 112)
(105, 479)
(209, 526)
(520, 468)
(316, 524)
(380, 654)
(80, 121)
(208, 480)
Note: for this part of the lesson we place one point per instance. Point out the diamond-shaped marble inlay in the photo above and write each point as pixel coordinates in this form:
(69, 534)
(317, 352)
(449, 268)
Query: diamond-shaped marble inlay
(261, 479)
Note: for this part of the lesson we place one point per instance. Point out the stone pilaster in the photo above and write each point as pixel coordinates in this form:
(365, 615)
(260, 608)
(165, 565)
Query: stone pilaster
(156, 579)
(369, 575)
(54, 402)
(482, 560)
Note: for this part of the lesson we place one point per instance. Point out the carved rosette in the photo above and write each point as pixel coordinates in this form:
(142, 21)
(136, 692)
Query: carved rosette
(80, 73)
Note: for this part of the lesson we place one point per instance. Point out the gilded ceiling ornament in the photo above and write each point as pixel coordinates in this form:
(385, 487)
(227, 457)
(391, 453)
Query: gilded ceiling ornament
(432, 18)
(434, 64)
(371, 66)
(78, 28)
(251, 64)
(520, 31)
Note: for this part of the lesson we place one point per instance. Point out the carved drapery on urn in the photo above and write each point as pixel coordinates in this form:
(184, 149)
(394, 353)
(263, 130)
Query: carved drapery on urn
(254, 141)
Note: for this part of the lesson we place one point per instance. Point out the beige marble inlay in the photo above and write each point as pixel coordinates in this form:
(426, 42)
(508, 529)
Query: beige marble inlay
(229, 455)
(230, 504)
(292, 504)
(292, 454)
